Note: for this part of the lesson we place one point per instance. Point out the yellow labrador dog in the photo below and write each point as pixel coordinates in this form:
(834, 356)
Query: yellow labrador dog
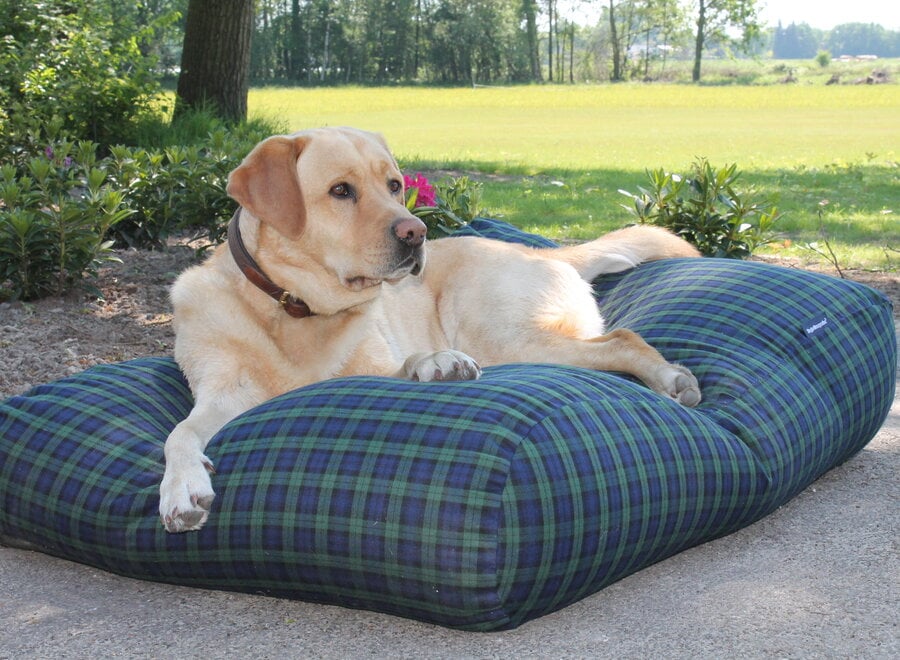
(325, 274)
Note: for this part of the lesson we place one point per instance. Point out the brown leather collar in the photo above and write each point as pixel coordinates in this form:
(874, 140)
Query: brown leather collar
(251, 270)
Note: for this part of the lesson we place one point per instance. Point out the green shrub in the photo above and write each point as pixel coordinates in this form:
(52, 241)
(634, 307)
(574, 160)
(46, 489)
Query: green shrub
(446, 206)
(463, 196)
(181, 188)
(67, 70)
(62, 209)
(706, 210)
(195, 126)
(823, 58)
(169, 190)
(54, 217)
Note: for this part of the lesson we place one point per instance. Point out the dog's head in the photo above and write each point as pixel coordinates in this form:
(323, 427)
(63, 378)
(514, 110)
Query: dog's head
(334, 197)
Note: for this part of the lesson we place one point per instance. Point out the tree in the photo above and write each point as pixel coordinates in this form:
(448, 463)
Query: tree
(215, 61)
(795, 42)
(475, 41)
(660, 22)
(627, 20)
(859, 39)
(714, 19)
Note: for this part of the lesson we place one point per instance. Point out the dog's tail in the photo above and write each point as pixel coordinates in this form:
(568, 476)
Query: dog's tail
(624, 249)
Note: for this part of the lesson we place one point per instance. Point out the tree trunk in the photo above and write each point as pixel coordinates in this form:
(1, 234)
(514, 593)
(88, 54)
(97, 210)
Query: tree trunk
(529, 9)
(415, 74)
(550, 40)
(215, 62)
(572, 53)
(560, 51)
(325, 56)
(698, 43)
(297, 61)
(647, 55)
(614, 42)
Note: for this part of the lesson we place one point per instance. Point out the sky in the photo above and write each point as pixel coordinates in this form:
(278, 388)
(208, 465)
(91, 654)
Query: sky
(822, 14)
(825, 14)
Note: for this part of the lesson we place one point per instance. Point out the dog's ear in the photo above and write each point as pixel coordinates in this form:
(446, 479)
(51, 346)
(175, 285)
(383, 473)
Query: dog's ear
(265, 184)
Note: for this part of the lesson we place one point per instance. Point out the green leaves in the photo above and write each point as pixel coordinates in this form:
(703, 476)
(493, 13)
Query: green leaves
(457, 202)
(62, 208)
(64, 72)
(54, 217)
(706, 209)
(176, 189)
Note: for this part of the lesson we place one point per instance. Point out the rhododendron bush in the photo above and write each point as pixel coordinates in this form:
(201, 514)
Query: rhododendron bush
(443, 207)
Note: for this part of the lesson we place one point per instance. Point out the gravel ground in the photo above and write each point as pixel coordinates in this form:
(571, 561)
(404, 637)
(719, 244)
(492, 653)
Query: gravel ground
(55, 337)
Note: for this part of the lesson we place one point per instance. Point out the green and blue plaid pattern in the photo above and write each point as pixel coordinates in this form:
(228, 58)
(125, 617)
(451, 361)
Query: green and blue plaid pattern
(477, 505)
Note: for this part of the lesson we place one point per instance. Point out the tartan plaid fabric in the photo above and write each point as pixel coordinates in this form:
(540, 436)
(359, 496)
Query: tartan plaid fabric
(477, 505)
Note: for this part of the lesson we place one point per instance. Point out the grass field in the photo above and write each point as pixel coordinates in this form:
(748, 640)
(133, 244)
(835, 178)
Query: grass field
(552, 158)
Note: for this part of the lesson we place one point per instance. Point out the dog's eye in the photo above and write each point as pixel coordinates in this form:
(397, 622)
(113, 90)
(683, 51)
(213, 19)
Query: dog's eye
(341, 191)
(395, 186)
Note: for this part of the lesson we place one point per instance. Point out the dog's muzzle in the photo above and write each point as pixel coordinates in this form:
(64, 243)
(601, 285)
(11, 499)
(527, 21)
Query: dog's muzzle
(410, 232)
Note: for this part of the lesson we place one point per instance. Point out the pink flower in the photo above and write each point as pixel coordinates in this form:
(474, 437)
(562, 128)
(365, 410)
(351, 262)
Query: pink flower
(426, 196)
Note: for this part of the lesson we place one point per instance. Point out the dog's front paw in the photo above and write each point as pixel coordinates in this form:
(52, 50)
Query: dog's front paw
(680, 384)
(186, 495)
(443, 365)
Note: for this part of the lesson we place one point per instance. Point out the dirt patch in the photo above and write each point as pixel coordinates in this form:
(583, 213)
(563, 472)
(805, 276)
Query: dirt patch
(56, 337)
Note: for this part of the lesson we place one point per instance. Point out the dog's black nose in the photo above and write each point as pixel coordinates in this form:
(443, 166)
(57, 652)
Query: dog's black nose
(410, 231)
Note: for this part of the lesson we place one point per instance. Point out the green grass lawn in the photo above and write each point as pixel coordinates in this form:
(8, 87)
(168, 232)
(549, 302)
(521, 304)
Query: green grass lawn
(553, 157)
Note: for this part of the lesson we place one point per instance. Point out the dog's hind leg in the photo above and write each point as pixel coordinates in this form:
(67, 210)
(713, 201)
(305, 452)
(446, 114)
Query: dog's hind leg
(557, 321)
(623, 351)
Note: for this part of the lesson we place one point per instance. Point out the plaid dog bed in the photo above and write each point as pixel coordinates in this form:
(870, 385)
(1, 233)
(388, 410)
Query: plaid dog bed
(476, 505)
